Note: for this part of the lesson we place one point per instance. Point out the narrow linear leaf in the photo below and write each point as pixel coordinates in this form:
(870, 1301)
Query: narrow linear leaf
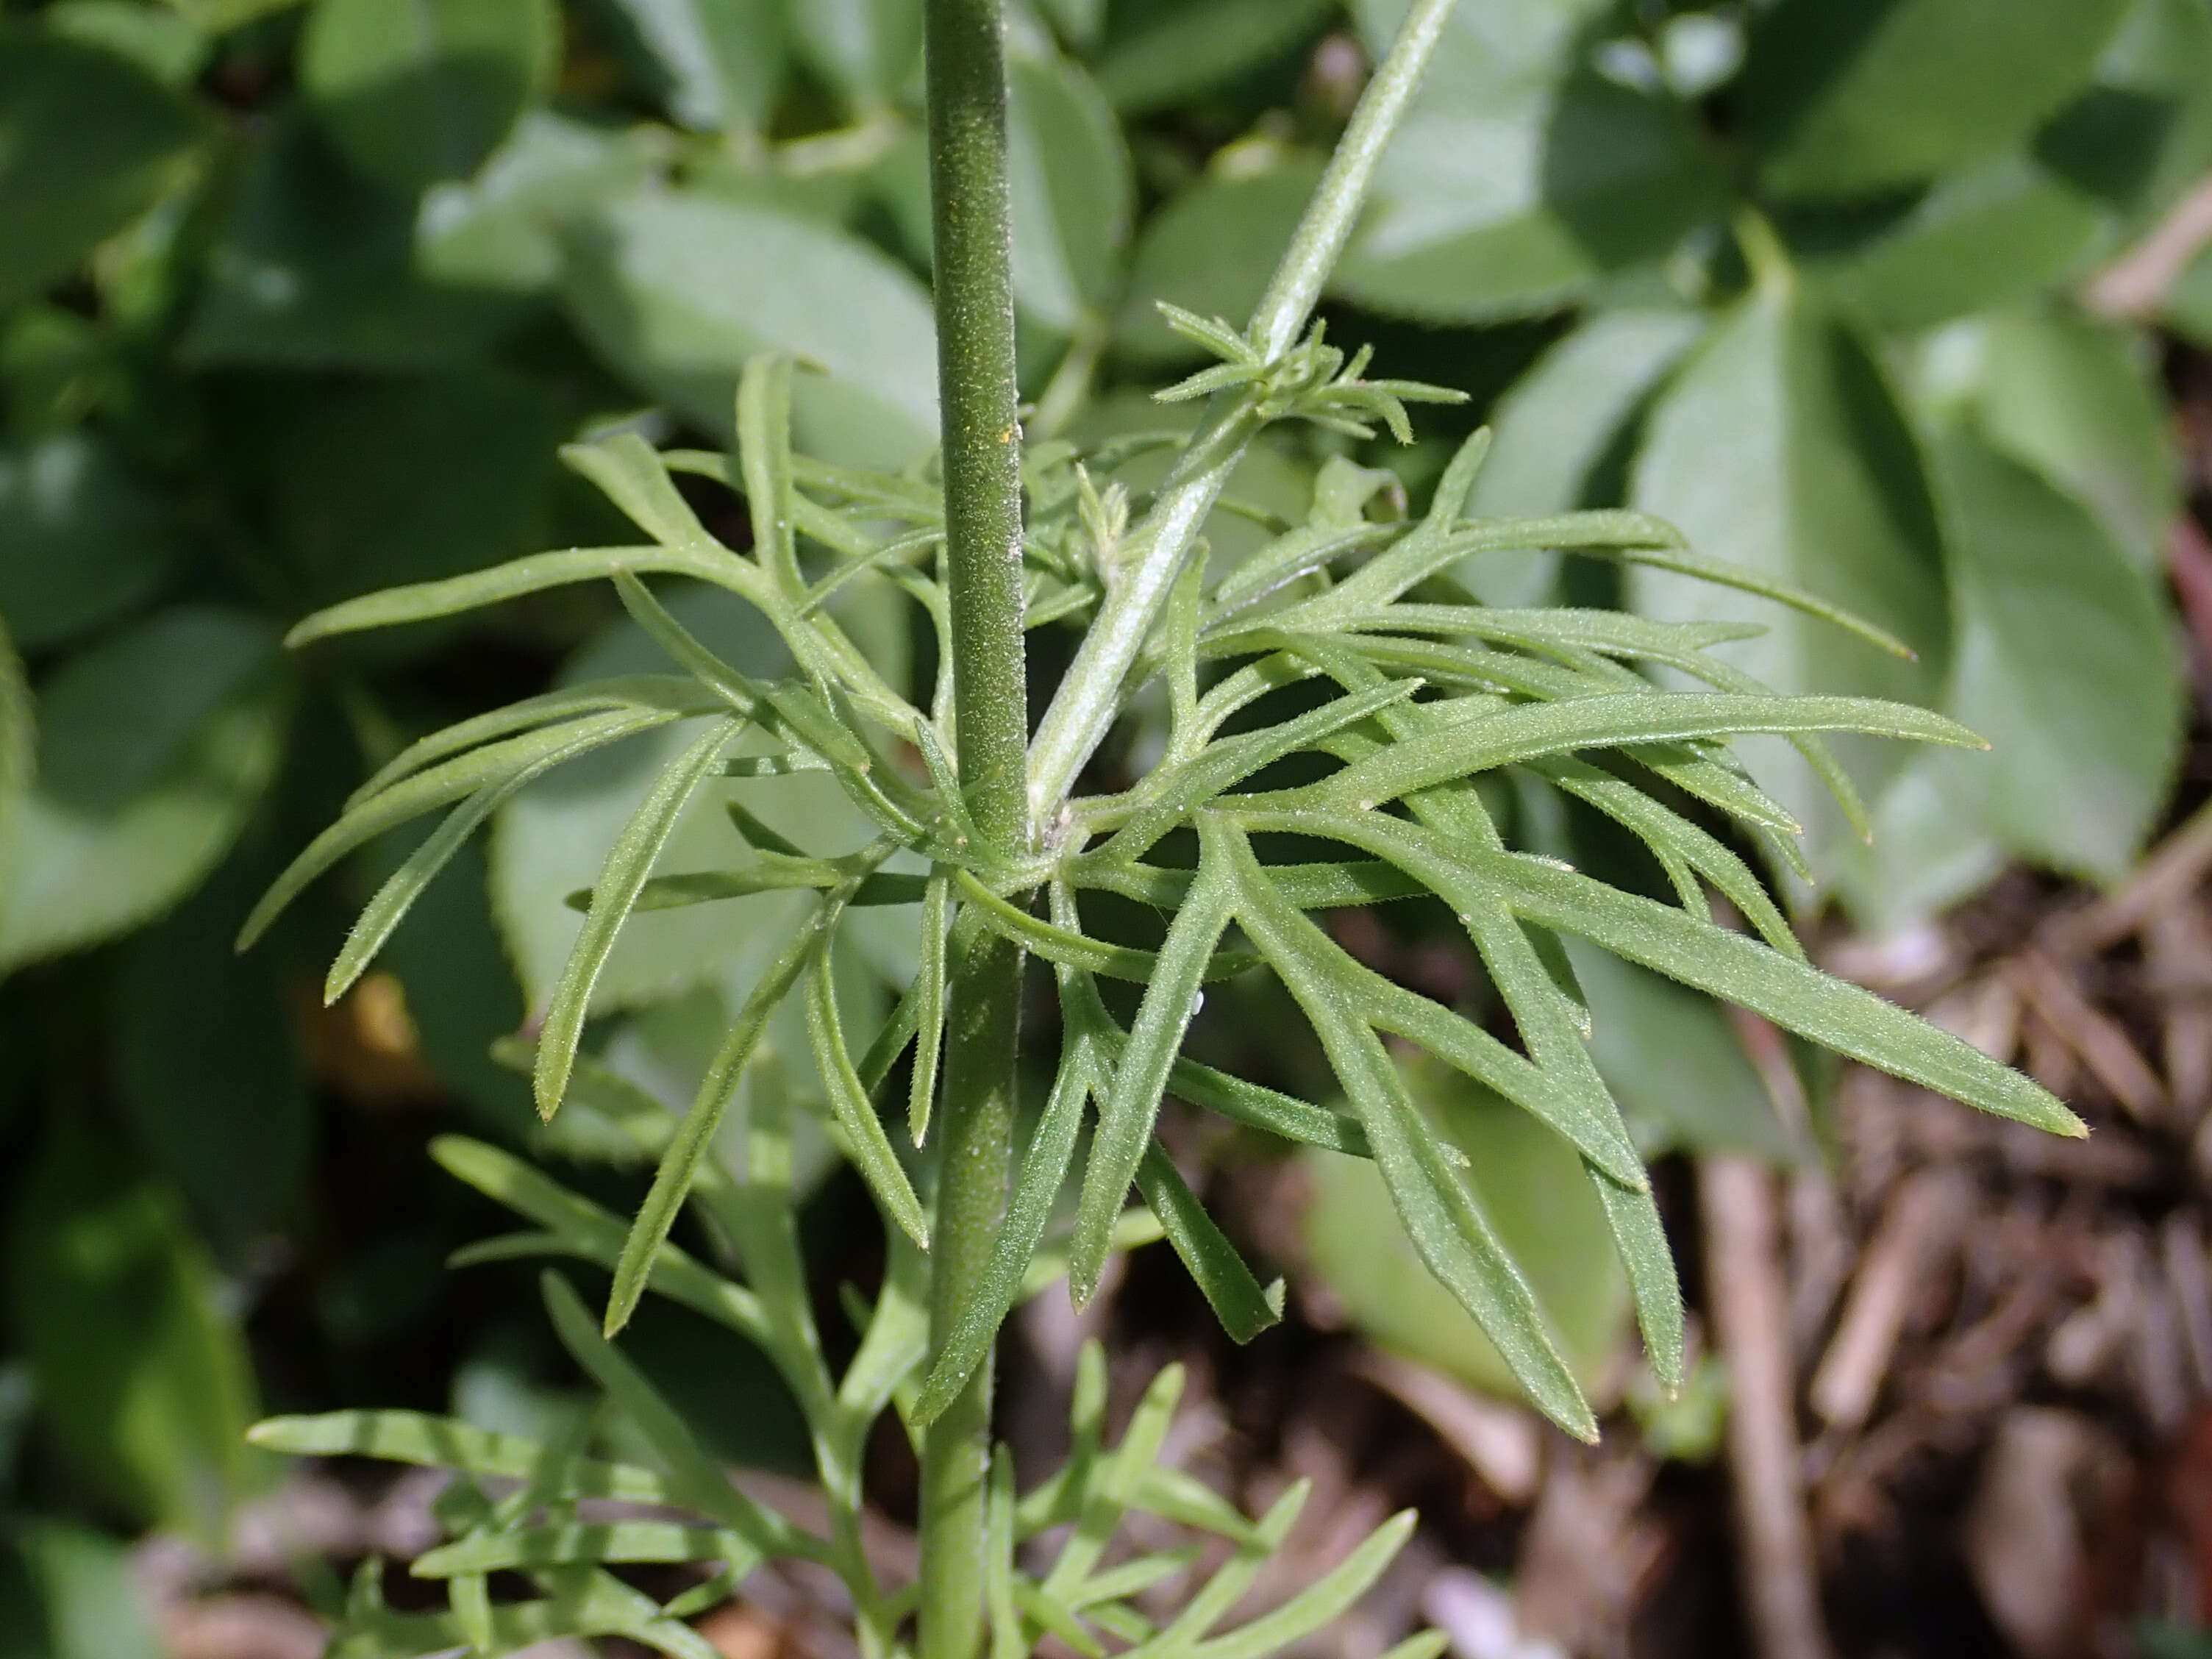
(765, 462)
(1226, 1587)
(433, 788)
(635, 478)
(978, 1308)
(697, 1483)
(383, 913)
(426, 601)
(629, 862)
(1832, 1013)
(673, 694)
(1320, 1603)
(580, 1228)
(584, 1543)
(1128, 1111)
(1237, 1299)
(446, 1443)
(1527, 731)
(680, 1164)
(1070, 949)
(868, 1146)
(929, 1007)
(1437, 1212)
(1641, 1237)
(1308, 886)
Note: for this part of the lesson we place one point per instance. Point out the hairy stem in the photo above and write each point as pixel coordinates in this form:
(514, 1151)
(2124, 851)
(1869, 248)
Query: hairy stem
(973, 249)
(1088, 698)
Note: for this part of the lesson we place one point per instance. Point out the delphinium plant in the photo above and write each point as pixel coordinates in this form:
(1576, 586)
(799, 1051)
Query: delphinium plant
(1338, 714)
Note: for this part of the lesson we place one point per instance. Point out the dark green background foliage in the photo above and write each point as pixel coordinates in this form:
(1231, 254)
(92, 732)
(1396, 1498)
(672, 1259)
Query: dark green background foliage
(296, 302)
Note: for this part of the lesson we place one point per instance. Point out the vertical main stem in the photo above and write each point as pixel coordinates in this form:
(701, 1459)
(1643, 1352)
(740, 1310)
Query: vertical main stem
(977, 397)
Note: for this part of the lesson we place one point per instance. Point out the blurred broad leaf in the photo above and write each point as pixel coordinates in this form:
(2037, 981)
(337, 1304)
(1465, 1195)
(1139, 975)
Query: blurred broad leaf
(1532, 1189)
(166, 43)
(207, 1065)
(2141, 133)
(82, 540)
(416, 92)
(1674, 1063)
(18, 740)
(1985, 236)
(1072, 190)
(677, 290)
(2064, 662)
(315, 268)
(1210, 250)
(1180, 49)
(1521, 174)
(865, 51)
(714, 64)
(67, 1592)
(1779, 446)
(407, 481)
(1842, 100)
(1559, 428)
(221, 16)
(2078, 401)
(153, 748)
(1932, 849)
(144, 1386)
(88, 141)
(501, 230)
(2188, 306)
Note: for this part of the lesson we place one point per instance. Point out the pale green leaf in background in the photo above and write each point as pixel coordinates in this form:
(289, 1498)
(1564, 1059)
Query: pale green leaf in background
(416, 92)
(1556, 429)
(2078, 401)
(1521, 174)
(1985, 236)
(167, 44)
(1073, 193)
(1780, 447)
(865, 51)
(499, 230)
(1183, 51)
(717, 64)
(1210, 250)
(2079, 760)
(1842, 101)
(153, 748)
(678, 290)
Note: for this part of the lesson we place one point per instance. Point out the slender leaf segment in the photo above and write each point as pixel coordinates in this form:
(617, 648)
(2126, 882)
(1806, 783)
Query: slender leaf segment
(1337, 693)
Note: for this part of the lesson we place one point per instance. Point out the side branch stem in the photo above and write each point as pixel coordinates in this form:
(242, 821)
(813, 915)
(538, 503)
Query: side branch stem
(1085, 705)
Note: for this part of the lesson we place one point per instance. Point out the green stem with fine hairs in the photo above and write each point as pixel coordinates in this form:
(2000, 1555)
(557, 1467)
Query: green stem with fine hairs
(974, 248)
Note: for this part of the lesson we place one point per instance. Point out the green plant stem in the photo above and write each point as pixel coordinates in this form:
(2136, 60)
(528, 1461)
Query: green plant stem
(974, 248)
(1085, 705)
